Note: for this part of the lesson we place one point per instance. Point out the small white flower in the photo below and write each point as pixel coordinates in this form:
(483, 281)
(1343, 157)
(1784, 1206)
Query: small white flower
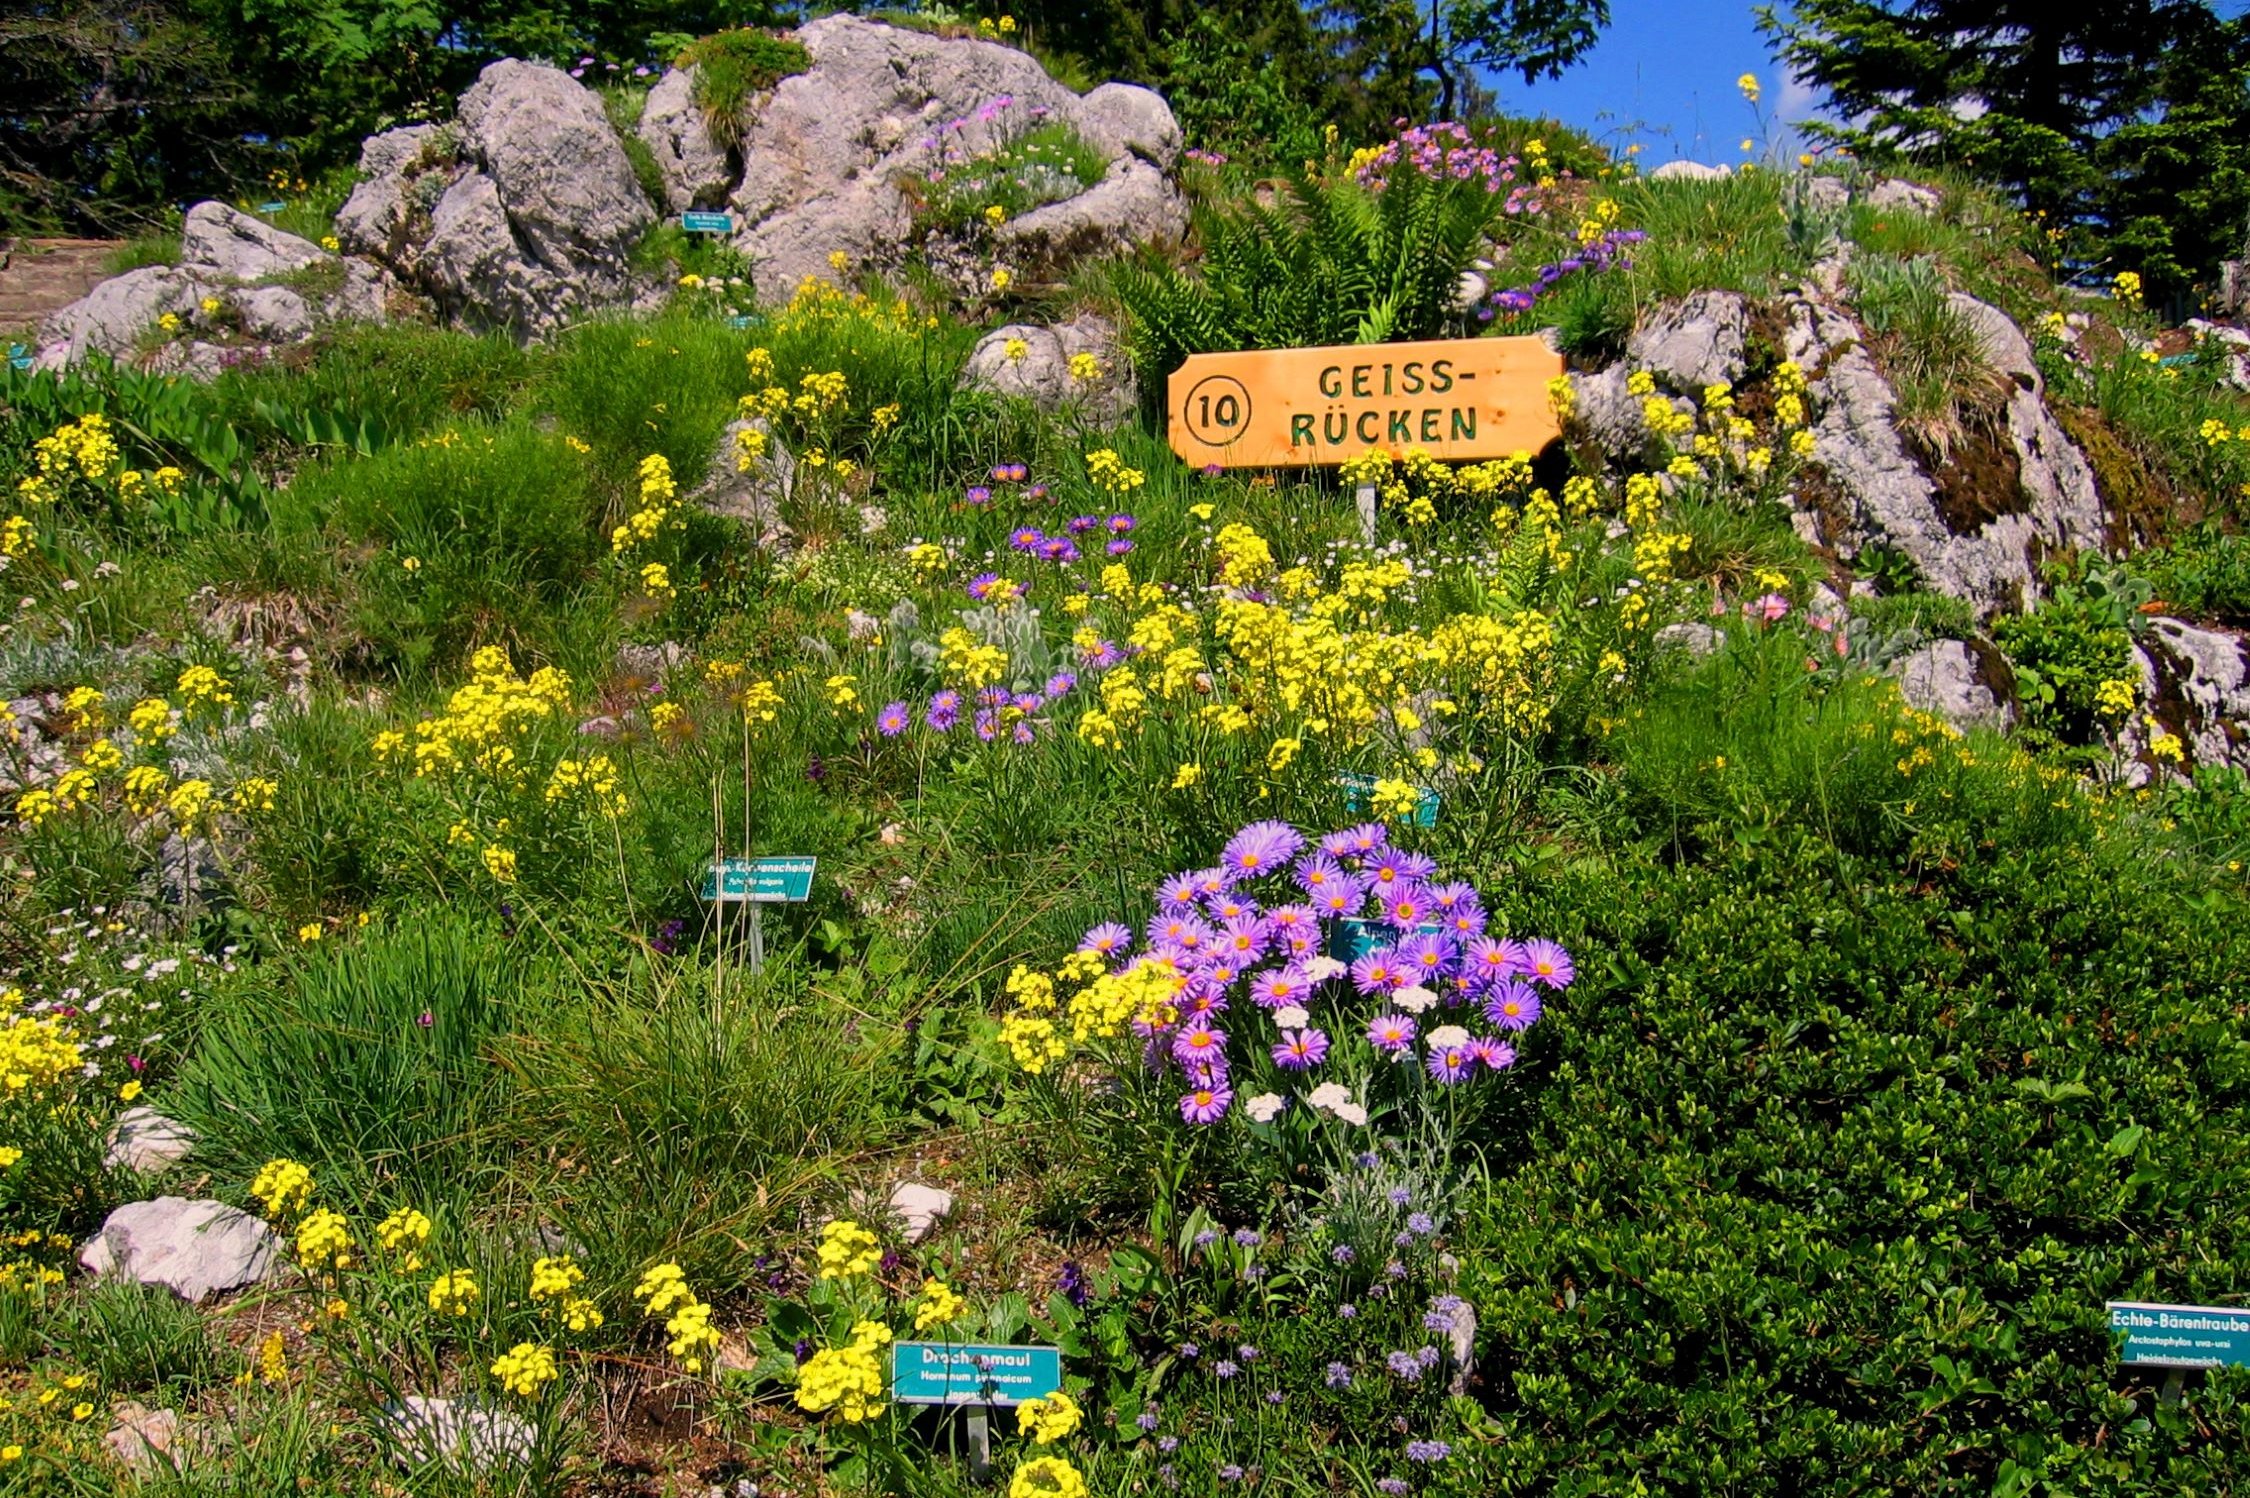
(1328, 1097)
(1265, 1107)
(1448, 1038)
(1290, 1017)
(1414, 998)
(1351, 1113)
(1321, 969)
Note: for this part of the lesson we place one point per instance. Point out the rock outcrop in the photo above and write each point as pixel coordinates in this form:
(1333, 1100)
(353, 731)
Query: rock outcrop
(195, 1249)
(824, 158)
(1036, 364)
(695, 168)
(520, 215)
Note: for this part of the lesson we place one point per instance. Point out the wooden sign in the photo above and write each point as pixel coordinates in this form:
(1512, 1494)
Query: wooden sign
(1461, 399)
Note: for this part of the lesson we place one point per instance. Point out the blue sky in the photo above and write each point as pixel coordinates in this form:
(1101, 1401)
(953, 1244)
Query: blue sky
(1663, 74)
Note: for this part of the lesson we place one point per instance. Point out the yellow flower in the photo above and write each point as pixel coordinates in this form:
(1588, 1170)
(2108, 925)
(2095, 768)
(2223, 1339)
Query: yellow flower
(9, 1155)
(410, 564)
(331, 243)
(939, 1305)
(1015, 350)
(1049, 1419)
(403, 1233)
(1002, 278)
(324, 1241)
(995, 215)
(454, 1292)
(1047, 1477)
(847, 1251)
(273, 1359)
(128, 1092)
(656, 580)
(2126, 285)
(282, 1185)
(838, 261)
(525, 1369)
(1085, 368)
(1186, 776)
(210, 304)
(311, 931)
(500, 863)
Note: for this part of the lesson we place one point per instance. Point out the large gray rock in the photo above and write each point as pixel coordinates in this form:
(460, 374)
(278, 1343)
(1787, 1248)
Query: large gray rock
(401, 173)
(695, 168)
(141, 1439)
(1042, 375)
(233, 246)
(274, 314)
(1609, 413)
(195, 1249)
(1880, 494)
(1942, 677)
(1895, 196)
(1123, 119)
(919, 1208)
(456, 1434)
(823, 161)
(1133, 204)
(1694, 342)
(115, 316)
(2210, 676)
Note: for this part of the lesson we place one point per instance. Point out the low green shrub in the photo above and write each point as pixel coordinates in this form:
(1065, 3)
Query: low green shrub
(2203, 573)
(730, 67)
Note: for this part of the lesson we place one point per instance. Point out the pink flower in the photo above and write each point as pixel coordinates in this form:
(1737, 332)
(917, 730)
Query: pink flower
(1769, 610)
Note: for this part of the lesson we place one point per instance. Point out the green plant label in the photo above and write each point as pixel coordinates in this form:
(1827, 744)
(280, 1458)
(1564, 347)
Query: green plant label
(1358, 789)
(707, 223)
(763, 881)
(972, 1373)
(2181, 1336)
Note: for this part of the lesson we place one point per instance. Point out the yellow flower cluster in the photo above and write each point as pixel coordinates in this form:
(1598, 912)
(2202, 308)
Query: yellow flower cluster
(663, 1291)
(1103, 1004)
(1047, 1477)
(455, 1292)
(847, 1379)
(594, 777)
(283, 1187)
(404, 1233)
(658, 490)
(2115, 697)
(1047, 1420)
(479, 719)
(1108, 472)
(969, 661)
(36, 1055)
(525, 1369)
(939, 1306)
(557, 1280)
(324, 1241)
(847, 1251)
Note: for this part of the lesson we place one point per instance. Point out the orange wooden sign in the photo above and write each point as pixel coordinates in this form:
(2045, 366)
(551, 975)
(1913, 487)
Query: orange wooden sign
(1458, 399)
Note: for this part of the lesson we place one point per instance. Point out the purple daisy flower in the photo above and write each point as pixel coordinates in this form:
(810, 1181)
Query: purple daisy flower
(944, 711)
(1379, 972)
(1319, 872)
(978, 495)
(1548, 963)
(1207, 1105)
(1199, 1043)
(892, 720)
(981, 586)
(1300, 1050)
(1062, 683)
(1226, 1368)
(1101, 655)
(1025, 538)
(1392, 1034)
(1405, 906)
(1023, 733)
(1231, 907)
(1492, 1055)
(1451, 1064)
(1119, 548)
(1261, 848)
(1365, 839)
(1244, 940)
(1121, 524)
(1058, 549)
(1464, 921)
(1512, 1005)
(987, 725)
(1109, 939)
(1426, 956)
(1451, 897)
(1176, 895)
(1495, 961)
(1278, 988)
(1080, 524)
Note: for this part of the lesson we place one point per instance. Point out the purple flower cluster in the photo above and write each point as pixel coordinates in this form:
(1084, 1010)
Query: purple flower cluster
(993, 713)
(1032, 541)
(1598, 255)
(1443, 150)
(1257, 925)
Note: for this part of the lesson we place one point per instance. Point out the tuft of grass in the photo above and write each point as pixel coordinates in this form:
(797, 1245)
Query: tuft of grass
(733, 66)
(1931, 353)
(156, 247)
(138, 1337)
(1731, 234)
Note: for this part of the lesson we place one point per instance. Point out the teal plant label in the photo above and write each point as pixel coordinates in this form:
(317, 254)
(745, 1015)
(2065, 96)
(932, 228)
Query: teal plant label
(271, 207)
(972, 1373)
(1359, 791)
(1355, 936)
(763, 881)
(2181, 1336)
(19, 356)
(707, 223)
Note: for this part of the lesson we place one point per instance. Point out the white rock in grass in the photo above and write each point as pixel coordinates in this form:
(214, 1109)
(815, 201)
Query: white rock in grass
(145, 1140)
(1942, 677)
(195, 1249)
(457, 1434)
(919, 1209)
(140, 1437)
(1690, 171)
(1893, 196)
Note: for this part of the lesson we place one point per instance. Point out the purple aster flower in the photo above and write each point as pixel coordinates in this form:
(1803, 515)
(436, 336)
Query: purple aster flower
(1229, 907)
(978, 495)
(1176, 895)
(1119, 548)
(1338, 1376)
(1025, 538)
(1451, 1064)
(1405, 906)
(1261, 848)
(982, 585)
(1512, 1005)
(1080, 524)
(1109, 939)
(1493, 1055)
(987, 725)
(1244, 940)
(1341, 898)
(1465, 922)
(1276, 1397)
(1319, 872)
(1058, 549)
(1248, 1238)
(1062, 683)
(1278, 988)
(1206, 1105)
(1365, 839)
(1392, 1034)
(1198, 1043)
(1405, 1367)
(944, 711)
(1495, 961)
(1379, 972)
(1225, 1368)
(1451, 897)
(1035, 491)
(1215, 880)
(1101, 655)
(1121, 524)
(1392, 1487)
(1300, 1050)
(1427, 1451)
(892, 720)
(1548, 963)
(1427, 956)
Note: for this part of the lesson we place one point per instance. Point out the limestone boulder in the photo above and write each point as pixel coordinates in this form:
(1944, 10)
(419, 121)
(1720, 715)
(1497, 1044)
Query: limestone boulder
(195, 1249)
(1034, 363)
(695, 167)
